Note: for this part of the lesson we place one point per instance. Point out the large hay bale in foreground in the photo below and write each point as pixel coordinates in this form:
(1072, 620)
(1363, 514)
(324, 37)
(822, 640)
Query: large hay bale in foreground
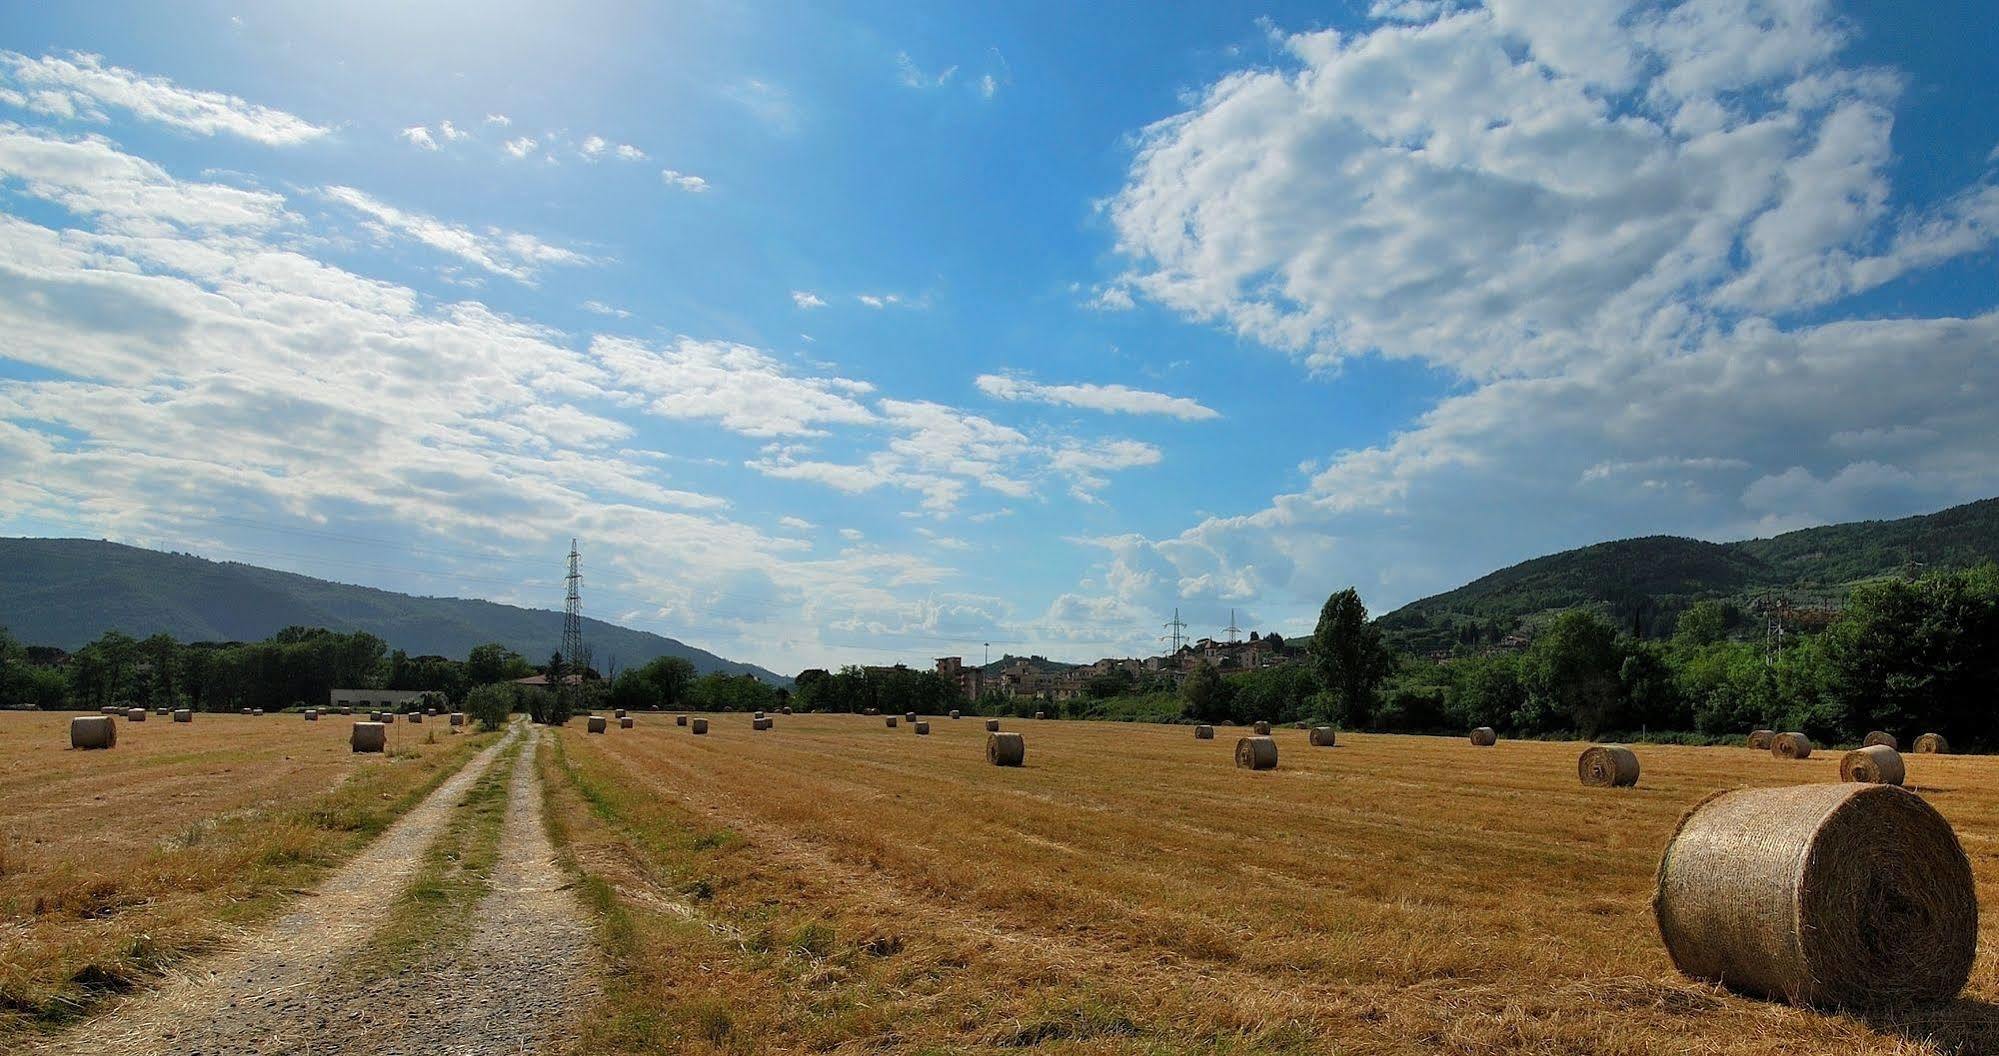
(1874, 764)
(1880, 737)
(597, 724)
(1829, 895)
(1791, 746)
(369, 737)
(1760, 739)
(700, 726)
(136, 715)
(627, 723)
(1262, 729)
(922, 727)
(992, 725)
(183, 715)
(1485, 737)
(1608, 766)
(1932, 744)
(1006, 749)
(1204, 732)
(1322, 737)
(93, 731)
(1256, 753)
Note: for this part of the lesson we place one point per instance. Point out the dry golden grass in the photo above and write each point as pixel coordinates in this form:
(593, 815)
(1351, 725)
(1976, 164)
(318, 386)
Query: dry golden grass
(836, 886)
(114, 864)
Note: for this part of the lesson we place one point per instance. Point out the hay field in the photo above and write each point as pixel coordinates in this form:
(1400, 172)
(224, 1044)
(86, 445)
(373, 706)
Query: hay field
(115, 864)
(837, 886)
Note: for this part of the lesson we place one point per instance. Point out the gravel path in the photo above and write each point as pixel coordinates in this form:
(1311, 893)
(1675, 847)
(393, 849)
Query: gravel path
(284, 990)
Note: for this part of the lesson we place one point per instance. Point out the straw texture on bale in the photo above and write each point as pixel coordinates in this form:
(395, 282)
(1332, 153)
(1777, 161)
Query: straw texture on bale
(1608, 766)
(416, 716)
(1932, 744)
(1875, 764)
(627, 722)
(369, 737)
(909, 716)
(700, 725)
(1760, 739)
(922, 726)
(1881, 737)
(1262, 729)
(890, 721)
(784, 711)
(1791, 746)
(1006, 749)
(761, 724)
(1204, 733)
(1322, 737)
(457, 718)
(312, 715)
(1256, 753)
(183, 715)
(1828, 895)
(680, 720)
(1485, 737)
(954, 713)
(597, 724)
(136, 715)
(93, 731)
(992, 725)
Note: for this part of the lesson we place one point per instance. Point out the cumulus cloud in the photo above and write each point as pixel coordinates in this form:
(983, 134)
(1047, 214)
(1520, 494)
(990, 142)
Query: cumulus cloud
(738, 387)
(682, 180)
(520, 146)
(1118, 399)
(511, 253)
(419, 136)
(1635, 236)
(806, 299)
(499, 120)
(82, 87)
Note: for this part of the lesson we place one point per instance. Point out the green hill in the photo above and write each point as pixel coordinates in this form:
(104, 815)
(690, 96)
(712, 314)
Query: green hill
(66, 592)
(1645, 583)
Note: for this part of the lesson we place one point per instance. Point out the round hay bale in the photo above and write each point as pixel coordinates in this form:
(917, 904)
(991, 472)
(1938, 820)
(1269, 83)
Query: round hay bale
(680, 720)
(922, 727)
(700, 726)
(1485, 737)
(1880, 737)
(256, 711)
(183, 715)
(757, 715)
(909, 716)
(1204, 732)
(163, 712)
(346, 709)
(627, 722)
(1932, 744)
(457, 718)
(1006, 749)
(1829, 895)
(621, 713)
(369, 737)
(113, 710)
(891, 722)
(954, 713)
(1322, 737)
(249, 711)
(1262, 729)
(992, 725)
(136, 715)
(1874, 764)
(786, 710)
(1040, 714)
(761, 724)
(1760, 739)
(1256, 753)
(416, 717)
(597, 724)
(93, 731)
(1791, 746)
(1608, 766)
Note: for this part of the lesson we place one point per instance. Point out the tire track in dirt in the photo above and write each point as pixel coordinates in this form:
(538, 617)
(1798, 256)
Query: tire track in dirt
(260, 997)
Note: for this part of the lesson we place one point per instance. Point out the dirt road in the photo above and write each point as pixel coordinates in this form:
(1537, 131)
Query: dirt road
(289, 988)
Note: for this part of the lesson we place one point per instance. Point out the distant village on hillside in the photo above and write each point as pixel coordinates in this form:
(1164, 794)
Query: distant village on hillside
(1038, 678)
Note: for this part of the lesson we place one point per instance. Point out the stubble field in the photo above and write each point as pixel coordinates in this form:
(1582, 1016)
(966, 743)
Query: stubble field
(115, 865)
(833, 885)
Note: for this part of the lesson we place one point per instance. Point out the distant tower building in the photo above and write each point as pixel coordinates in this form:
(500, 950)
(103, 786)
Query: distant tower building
(572, 618)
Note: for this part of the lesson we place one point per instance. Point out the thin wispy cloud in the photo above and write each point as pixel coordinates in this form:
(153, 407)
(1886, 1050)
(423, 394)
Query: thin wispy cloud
(510, 253)
(82, 87)
(1117, 399)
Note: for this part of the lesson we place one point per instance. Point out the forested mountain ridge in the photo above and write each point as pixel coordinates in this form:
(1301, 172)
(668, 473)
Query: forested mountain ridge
(1644, 583)
(67, 592)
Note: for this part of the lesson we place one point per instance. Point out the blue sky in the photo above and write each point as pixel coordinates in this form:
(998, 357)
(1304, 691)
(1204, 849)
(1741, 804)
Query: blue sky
(885, 331)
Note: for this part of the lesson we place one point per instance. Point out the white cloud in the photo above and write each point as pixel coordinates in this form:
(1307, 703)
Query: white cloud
(881, 300)
(593, 146)
(796, 524)
(90, 177)
(511, 253)
(740, 388)
(451, 132)
(1112, 298)
(912, 76)
(806, 299)
(988, 86)
(600, 308)
(521, 146)
(420, 136)
(627, 152)
(81, 87)
(684, 181)
(499, 120)
(1114, 398)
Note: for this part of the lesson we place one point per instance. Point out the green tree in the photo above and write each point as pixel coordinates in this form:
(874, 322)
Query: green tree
(1349, 657)
(1207, 696)
(1571, 672)
(1703, 624)
(494, 662)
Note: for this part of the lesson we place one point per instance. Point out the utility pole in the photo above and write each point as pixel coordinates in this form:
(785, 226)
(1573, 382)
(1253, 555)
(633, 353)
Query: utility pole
(1176, 631)
(572, 626)
(1232, 629)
